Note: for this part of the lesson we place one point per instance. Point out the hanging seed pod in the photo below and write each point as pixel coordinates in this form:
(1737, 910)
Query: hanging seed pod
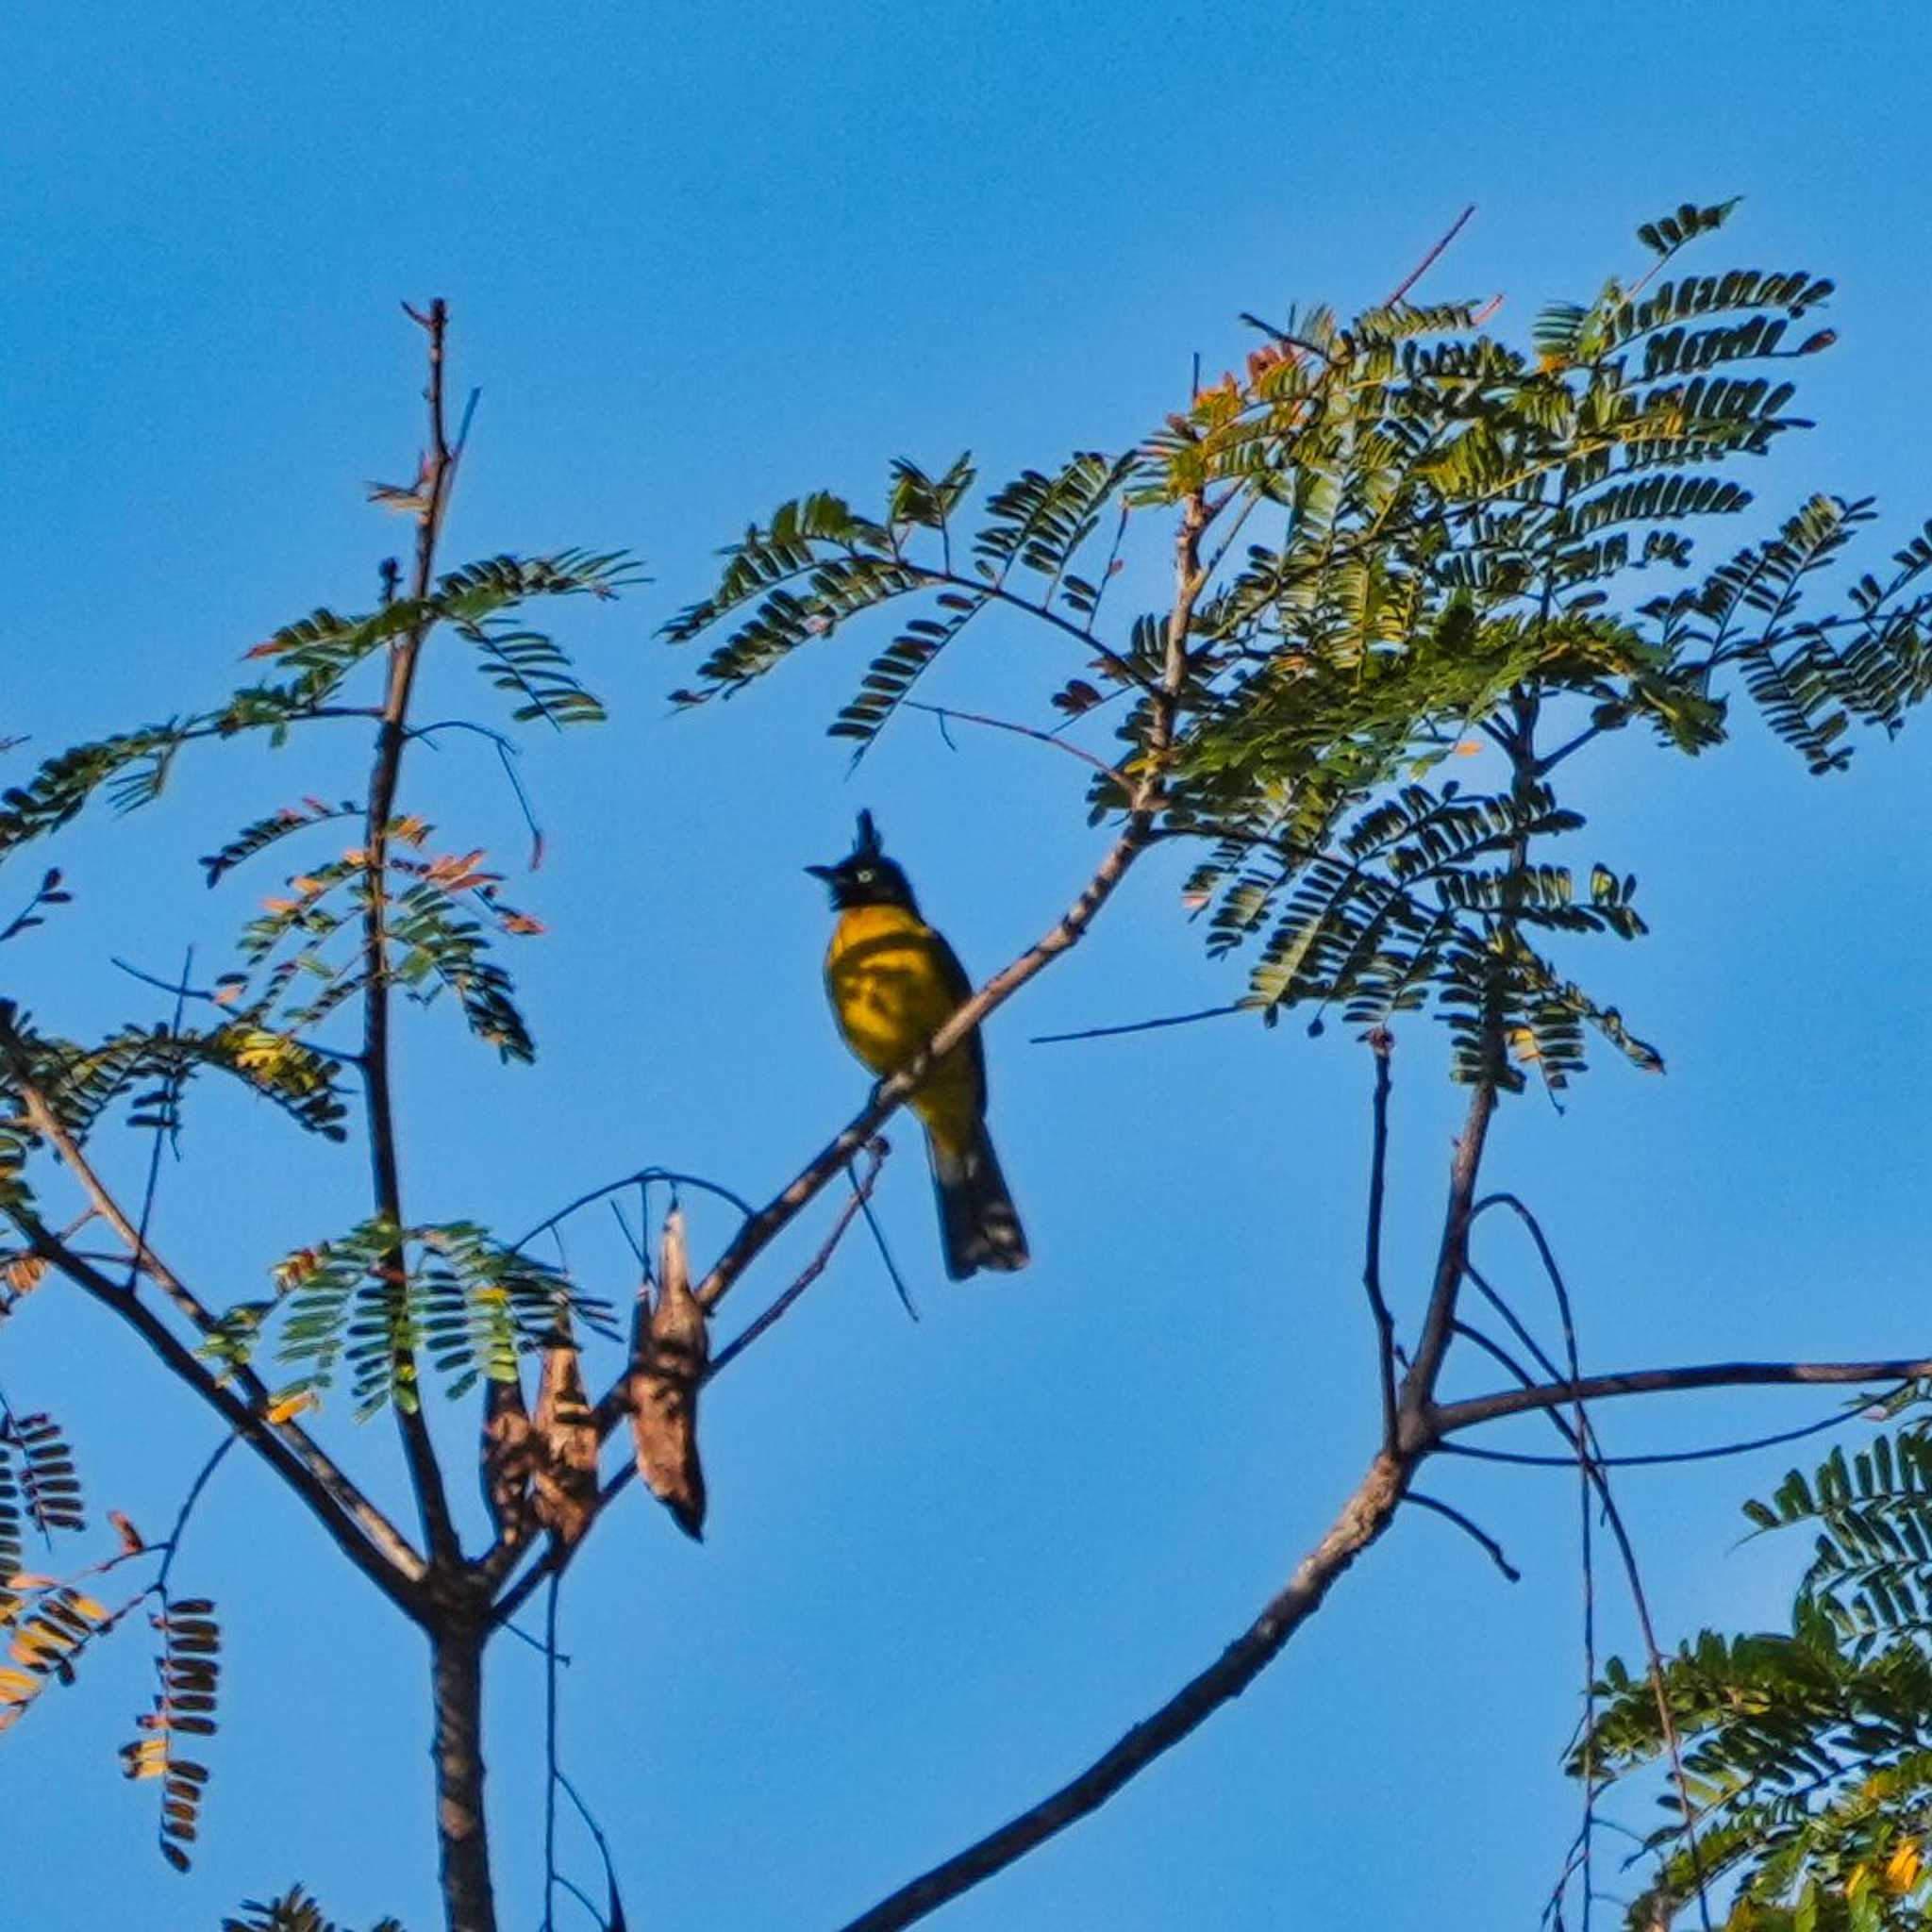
(506, 1455)
(669, 1348)
(564, 1433)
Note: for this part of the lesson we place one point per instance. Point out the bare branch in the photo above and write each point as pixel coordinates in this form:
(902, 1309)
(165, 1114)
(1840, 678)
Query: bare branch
(1446, 1418)
(1363, 1518)
(943, 712)
(862, 1186)
(1143, 1025)
(1660, 1458)
(1382, 1044)
(1416, 1396)
(1490, 1544)
(1430, 260)
(357, 1527)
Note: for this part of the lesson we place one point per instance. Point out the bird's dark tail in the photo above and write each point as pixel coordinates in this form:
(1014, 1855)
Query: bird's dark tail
(978, 1225)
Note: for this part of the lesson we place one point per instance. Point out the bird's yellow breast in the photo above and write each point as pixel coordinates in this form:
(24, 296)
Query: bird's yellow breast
(892, 985)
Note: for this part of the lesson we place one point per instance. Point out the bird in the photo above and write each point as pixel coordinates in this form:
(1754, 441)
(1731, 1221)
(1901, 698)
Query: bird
(894, 982)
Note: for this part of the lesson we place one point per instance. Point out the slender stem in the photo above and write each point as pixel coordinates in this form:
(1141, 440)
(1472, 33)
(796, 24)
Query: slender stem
(551, 1773)
(203, 1476)
(1428, 261)
(943, 713)
(1582, 1440)
(393, 735)
(1472, 1528)
(1382, 1044)
(1143, 1025)
(861, 1191)
(1447, 1418)
(1661, 1457)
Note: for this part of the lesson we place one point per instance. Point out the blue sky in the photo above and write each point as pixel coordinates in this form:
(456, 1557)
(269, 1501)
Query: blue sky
(701, 258)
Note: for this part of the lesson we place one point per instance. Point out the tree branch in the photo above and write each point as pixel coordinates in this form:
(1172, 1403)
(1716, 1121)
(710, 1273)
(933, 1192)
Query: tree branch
(1382, 1044)
(862, 1186)
(1074, 751)
(1445, 1419)
(434, 481)
(357, 1527)
(1363, 1518)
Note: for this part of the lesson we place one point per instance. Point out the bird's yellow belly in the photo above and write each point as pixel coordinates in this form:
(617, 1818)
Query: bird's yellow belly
(891, 996)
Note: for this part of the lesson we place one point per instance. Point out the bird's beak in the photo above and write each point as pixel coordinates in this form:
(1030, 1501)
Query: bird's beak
(823, 872)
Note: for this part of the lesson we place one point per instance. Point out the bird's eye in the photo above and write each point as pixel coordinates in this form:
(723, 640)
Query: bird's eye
(865, 875)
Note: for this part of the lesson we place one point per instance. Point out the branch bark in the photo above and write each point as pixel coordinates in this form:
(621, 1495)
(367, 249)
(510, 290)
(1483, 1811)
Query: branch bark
(1363, 1518)
(462, 1842)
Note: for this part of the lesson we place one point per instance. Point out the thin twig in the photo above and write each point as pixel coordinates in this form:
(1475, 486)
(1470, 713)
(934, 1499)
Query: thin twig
(1430, 260)
(172, 1545)
(1382, 1044)
(943, 712)
(582, 1897)
(569, 1790)
(508, 751)
(1639, 1601)
(861, 1191)
(1475, 1530)
(1143, 1025)
(1658, 1458)
(171, 1092)
(1614, 1517)
(885, 1251)
(551, 1773)
(640, 1178)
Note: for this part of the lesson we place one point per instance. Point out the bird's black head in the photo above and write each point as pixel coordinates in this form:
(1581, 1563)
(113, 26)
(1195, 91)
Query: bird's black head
(867, 877)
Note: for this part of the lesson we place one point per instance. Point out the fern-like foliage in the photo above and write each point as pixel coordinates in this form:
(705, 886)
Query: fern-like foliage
(294, 1912)
(818, 563)
(49, 1483)
(82, 1083)
(1449, 546)
(317, 655)
(379, 1297)
(440, 917)
(189, 1669)
(48, 1626)
(1808, 1756)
